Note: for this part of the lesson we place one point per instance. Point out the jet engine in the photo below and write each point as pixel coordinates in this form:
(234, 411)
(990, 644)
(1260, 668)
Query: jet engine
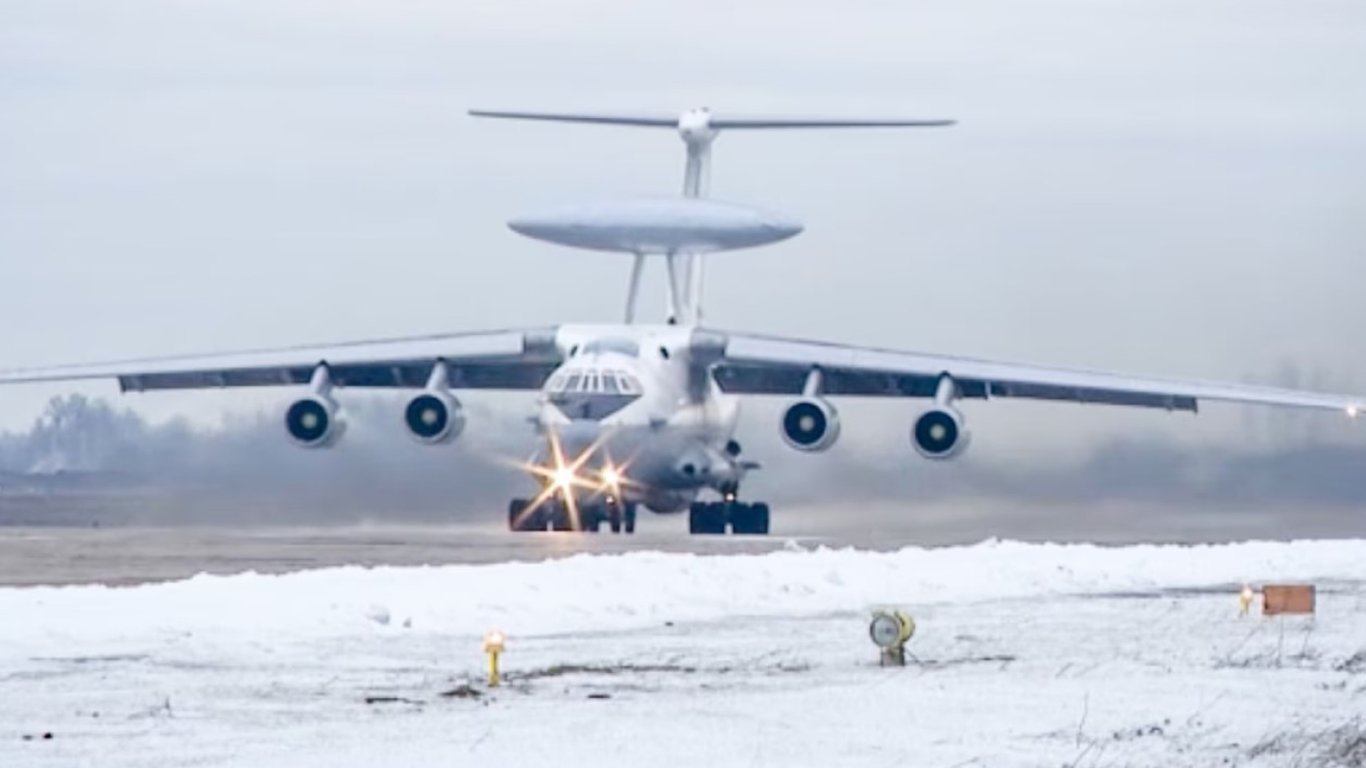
(811, 425)
(939, 433)
(434, 417)
(313, 422)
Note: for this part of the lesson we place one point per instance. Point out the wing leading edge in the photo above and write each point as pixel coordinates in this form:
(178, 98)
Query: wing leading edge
(506, 359)
(756, 364)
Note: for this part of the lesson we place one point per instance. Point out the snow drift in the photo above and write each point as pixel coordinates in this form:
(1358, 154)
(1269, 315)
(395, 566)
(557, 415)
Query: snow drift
(604, 592)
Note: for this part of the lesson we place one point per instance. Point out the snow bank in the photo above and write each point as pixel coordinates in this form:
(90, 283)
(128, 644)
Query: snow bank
(597, 592)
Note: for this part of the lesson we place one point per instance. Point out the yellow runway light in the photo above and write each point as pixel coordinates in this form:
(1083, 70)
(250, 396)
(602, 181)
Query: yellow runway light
(1245, 600)
(493, 647)
(890, 630)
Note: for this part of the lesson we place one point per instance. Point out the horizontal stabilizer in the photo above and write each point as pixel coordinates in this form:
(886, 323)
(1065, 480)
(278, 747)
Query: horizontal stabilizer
(724, 121)
(710, 119)
(659, 120)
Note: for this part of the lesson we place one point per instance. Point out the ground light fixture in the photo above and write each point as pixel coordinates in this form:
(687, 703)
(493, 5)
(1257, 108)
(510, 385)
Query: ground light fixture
(494, 642)
(889, 631)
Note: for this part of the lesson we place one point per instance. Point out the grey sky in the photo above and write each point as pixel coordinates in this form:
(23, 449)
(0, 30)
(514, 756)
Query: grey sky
(1160, 187)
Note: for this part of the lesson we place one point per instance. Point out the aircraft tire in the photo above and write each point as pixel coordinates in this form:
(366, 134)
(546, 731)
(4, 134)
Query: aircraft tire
(590, 518)
(559, 518)
(628, 517)
(707, 519)
(518, 520)
(614, 515)
(750, 519)
(762, 518)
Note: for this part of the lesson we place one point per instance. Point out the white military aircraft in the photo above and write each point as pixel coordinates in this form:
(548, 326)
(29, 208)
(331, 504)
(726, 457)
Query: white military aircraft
(635, 413)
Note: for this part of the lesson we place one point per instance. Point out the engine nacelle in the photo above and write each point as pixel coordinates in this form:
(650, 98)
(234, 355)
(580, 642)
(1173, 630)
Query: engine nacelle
(313, 422)
(434, 417)
(811, 425)
(940, 433)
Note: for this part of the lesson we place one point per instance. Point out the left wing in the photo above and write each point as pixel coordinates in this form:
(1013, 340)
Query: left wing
(755, 364)
(506, 359)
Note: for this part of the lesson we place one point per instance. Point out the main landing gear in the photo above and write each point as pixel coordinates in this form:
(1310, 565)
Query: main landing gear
(554, 515)
(711, 518)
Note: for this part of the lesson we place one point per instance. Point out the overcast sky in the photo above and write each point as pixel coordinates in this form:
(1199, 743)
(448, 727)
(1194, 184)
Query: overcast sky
(1156, 187)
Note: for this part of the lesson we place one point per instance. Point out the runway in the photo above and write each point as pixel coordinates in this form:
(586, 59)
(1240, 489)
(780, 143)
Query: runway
(130, 553)
(124, 556)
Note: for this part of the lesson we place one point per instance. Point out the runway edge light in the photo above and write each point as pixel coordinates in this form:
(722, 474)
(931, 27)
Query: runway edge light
(494, 642)
(889, 631)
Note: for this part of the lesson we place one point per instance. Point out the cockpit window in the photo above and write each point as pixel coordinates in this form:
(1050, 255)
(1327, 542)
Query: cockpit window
(628, 383)
(612, 382)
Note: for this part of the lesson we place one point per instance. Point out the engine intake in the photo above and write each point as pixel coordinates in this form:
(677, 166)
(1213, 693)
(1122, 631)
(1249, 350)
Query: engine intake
(434, 417)
(313, 422)
(939, 434)
(811, 425)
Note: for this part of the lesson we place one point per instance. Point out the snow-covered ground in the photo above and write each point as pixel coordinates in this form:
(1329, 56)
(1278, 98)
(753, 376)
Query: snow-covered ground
(1024, 655)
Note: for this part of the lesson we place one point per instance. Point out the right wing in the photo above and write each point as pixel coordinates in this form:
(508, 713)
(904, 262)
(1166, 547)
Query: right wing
(506, 359)
(771, 365)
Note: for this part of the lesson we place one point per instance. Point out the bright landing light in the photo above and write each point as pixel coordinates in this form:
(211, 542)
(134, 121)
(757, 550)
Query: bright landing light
(611, 477)
(564, 478)
(1353, 411)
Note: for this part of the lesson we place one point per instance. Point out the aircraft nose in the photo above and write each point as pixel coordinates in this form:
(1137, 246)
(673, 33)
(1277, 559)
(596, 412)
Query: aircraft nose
(578, 436)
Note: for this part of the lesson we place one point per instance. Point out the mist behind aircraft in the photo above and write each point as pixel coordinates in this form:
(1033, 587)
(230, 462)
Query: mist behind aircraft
(89, 461)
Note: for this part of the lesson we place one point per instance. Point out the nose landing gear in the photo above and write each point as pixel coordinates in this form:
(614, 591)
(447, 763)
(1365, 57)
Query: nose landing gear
(554, 515)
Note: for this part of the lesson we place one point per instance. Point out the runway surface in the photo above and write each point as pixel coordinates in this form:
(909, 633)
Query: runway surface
(131, 553)
(122, 556)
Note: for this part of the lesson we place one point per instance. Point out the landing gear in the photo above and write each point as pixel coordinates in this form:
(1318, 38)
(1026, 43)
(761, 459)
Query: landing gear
(619, 516)
(712, 518)
(521, 518)
(560, 519)
(555, 516)
(622, 516)
(749, 519)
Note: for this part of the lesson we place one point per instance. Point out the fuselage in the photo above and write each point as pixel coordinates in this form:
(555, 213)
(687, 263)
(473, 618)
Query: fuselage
(632, 401)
